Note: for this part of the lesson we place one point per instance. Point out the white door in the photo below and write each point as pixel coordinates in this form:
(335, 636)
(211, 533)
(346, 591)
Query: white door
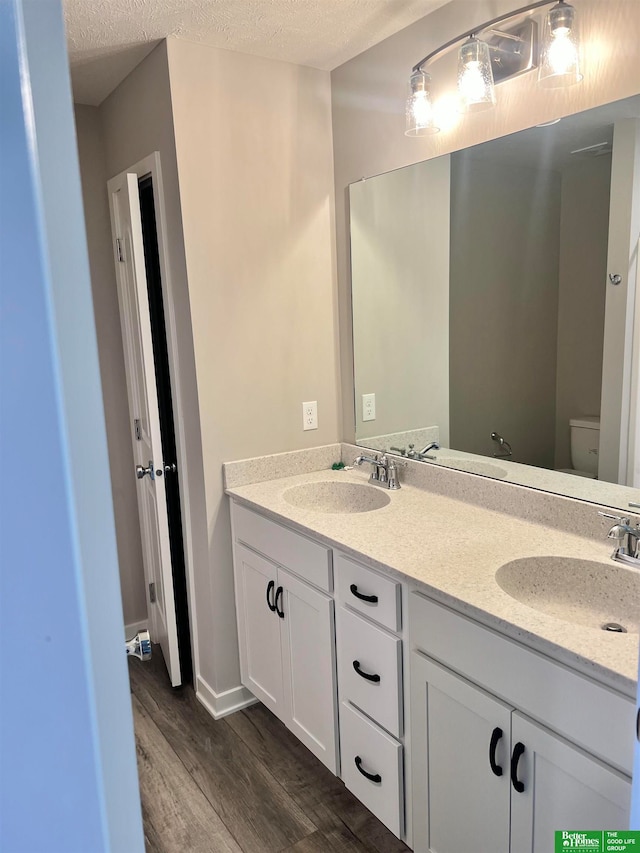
(622, 260)
(308, 656)
(259, 628)
(562, 788)
(144, 416)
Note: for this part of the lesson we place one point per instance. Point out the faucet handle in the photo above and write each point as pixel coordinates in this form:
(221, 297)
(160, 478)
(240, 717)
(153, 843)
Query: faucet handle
(393, 481)
(627, 537)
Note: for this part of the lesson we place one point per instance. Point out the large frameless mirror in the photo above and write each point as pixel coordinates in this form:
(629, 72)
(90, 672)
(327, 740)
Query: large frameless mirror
(494, 306)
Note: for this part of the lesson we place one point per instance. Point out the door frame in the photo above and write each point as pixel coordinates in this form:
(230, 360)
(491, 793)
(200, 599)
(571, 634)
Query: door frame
(633, 455)
(150, 165)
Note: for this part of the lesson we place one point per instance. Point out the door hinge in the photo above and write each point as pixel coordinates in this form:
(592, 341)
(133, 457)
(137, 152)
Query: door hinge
(136, 426)
(152, 593)
(119, 248)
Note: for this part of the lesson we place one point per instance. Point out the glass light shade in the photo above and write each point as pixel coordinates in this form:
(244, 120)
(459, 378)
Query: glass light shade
(419, 111)
(559, 54)
(475, 77)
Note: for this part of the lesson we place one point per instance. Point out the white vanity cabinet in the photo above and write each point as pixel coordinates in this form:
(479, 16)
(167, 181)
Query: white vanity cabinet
(458, 738)
(486, 776)
(288, 647)
(286, 628)
(370, 686)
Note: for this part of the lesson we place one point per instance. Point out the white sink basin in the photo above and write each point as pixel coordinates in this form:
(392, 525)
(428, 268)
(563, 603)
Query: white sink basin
(337, 497)
(580, 591)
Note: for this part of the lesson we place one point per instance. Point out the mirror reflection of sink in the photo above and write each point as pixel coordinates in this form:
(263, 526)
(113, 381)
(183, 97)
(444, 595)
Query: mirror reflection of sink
(580, 591)
(473, 466)
(337, 497)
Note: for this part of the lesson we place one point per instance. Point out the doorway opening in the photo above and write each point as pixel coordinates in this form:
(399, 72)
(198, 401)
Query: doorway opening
(167, 428)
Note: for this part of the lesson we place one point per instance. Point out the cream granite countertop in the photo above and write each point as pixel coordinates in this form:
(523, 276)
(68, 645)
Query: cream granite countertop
(450, 551)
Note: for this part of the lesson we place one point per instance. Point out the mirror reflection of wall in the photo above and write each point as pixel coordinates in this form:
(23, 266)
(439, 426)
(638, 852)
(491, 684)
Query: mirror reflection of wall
(400, 263)
(527, 299)
(481, 301)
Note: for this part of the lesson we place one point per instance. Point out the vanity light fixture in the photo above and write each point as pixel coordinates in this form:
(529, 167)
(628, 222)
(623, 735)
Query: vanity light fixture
(559, 59)
(420, 119)
(496, 51)
(475, 77)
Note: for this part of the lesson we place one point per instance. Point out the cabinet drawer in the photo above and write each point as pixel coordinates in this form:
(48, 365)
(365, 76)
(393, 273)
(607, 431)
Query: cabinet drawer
(306, 558)
(365, 650)
(365, 746)
(356, 583)
(586, 713)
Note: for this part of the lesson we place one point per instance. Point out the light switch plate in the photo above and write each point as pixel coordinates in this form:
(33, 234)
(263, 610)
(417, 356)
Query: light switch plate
(310, 415)
(368, 407)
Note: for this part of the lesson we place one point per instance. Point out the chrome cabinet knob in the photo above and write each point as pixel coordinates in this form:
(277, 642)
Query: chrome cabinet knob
(141, 471)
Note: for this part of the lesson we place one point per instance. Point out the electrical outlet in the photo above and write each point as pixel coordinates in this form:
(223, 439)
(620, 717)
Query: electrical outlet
(368, 407)
(310, 415)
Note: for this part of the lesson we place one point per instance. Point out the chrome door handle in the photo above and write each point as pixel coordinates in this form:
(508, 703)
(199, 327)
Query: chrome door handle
(140, 471)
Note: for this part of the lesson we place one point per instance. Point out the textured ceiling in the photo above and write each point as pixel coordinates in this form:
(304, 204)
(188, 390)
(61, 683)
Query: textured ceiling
(108, 38)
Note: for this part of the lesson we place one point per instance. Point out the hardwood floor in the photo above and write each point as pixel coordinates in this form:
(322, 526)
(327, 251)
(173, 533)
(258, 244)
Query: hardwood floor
(243, 784)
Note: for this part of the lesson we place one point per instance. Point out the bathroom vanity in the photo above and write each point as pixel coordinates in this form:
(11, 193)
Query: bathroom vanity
(378, 627)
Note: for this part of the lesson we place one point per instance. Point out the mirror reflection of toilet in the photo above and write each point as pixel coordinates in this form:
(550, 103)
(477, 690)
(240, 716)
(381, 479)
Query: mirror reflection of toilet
(585, 440)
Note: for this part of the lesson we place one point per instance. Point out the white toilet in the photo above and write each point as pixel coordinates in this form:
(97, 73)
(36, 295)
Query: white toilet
(585, 440)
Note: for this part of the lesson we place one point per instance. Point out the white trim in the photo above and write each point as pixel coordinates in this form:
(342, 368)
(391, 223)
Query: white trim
(132, 628)
(633, 455)
(221, 704)
(150, 165)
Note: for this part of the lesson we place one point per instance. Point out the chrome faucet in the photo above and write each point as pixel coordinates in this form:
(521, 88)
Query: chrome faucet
(628, 538)
(384, 470)
(360, 459)
(423, 454)
(433, 445)
(504, 448)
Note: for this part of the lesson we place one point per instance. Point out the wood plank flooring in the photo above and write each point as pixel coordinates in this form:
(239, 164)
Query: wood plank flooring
(243, 784)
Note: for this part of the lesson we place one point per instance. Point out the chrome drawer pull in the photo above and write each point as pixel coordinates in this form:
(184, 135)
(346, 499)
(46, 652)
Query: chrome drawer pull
(372, 777)
(369, 677)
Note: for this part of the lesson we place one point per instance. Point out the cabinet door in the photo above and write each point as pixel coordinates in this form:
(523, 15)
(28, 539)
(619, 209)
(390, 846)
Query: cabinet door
(564, 788)
(259, 629)
(460, 803)
(308, 654)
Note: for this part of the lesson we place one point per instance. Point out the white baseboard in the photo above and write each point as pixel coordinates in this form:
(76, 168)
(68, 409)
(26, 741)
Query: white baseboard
(132, 628)
(221, 704)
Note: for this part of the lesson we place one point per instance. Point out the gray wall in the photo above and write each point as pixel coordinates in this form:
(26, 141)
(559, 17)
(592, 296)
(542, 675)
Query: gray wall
(505, 222)
(584, 223)
(255, 167)
(94, 175)
(257, 321)
(134, 121)
(400, 262)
